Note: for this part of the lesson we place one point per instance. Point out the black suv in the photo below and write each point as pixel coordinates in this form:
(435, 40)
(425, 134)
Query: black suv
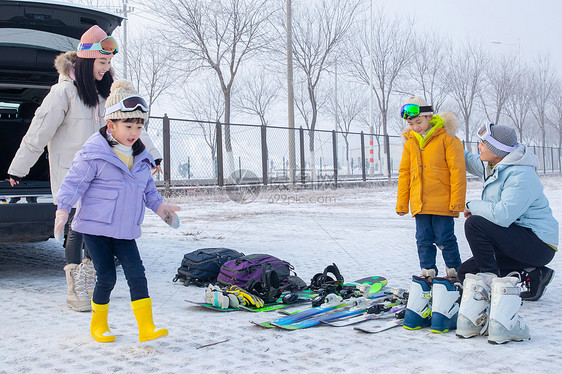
(32, 34)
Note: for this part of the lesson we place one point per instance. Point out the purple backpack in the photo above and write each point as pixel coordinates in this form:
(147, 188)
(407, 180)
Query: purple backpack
(260, 274)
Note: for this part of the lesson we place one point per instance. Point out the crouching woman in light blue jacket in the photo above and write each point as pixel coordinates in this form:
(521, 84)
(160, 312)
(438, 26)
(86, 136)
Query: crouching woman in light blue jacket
(512, 227)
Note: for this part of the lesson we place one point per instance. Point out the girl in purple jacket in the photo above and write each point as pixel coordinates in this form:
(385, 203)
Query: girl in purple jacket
(111, 180)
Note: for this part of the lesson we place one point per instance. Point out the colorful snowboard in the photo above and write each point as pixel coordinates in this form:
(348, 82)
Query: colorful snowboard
(373, 329)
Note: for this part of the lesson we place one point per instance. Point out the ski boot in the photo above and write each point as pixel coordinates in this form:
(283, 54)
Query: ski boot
(475, 305)
(505, 324)
(445, 304)
(418, 309)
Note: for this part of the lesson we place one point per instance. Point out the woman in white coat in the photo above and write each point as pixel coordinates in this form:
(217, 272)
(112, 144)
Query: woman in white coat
(71, 112)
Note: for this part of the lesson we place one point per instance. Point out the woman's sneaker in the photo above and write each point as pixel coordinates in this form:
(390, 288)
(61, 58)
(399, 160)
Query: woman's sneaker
(535, 282)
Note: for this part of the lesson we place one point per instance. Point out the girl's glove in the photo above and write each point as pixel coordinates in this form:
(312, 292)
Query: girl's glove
(166, 212)
(61, 217)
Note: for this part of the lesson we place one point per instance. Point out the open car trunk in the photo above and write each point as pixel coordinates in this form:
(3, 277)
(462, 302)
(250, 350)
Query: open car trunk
(32, 34)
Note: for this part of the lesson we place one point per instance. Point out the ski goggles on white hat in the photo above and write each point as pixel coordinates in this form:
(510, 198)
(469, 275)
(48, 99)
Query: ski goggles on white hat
(106, 46)
(485, 134)
(413, 110)
(128, 104)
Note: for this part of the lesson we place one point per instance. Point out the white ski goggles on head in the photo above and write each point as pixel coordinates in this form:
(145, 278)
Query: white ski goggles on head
(128, 104)
(485, 133)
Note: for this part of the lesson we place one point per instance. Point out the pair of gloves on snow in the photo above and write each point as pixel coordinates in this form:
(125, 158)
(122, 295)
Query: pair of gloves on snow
(164, 211)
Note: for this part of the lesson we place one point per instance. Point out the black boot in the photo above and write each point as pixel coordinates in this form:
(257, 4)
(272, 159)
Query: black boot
(536, 281)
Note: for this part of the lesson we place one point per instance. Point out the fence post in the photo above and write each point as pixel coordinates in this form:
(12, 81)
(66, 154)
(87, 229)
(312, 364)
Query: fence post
(544, 160)
(363, 170)
(552, 158)
(166, 140)
(264, 154)
(389, 167)
(335, 156)
(303, 169)
(220, 177)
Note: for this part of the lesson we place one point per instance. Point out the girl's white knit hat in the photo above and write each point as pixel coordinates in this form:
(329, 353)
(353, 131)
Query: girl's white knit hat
(122, 89)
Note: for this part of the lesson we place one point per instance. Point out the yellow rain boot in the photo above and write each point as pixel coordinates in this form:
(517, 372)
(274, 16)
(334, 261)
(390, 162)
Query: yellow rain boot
(143, 313)
(98, 327)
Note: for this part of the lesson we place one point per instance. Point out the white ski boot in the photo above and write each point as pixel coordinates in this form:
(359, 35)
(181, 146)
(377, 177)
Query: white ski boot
(445, 304)
(475, 305)
(505, 323)
(418, 309)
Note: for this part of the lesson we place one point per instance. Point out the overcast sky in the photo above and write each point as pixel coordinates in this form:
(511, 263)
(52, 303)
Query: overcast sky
(534, 24)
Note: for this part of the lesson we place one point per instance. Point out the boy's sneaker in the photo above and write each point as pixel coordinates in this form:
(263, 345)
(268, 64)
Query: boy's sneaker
(418, 309)
(536, 281)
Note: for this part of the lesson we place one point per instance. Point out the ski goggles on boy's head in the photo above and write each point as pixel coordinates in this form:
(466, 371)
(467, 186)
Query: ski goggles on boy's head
(485, 134)
(106, 46)
(413, 110)
(128, 104)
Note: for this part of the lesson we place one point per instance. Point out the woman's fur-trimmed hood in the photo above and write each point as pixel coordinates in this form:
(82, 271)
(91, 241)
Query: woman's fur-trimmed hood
(450, 124)
(64, 63)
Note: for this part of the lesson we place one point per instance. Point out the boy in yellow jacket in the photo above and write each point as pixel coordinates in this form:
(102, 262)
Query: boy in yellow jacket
(432, 182)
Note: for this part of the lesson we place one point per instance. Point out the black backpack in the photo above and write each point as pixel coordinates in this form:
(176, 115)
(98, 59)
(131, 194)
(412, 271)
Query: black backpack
(202, 266)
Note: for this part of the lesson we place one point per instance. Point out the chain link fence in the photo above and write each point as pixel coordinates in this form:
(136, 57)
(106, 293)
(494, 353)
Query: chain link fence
(202, 153)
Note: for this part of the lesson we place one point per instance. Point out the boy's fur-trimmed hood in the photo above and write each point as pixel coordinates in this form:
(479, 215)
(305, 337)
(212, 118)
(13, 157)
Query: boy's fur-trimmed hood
(450, 124)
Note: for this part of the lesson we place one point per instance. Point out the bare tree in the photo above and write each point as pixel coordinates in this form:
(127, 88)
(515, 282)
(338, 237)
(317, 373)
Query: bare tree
(318, 29)
(544, 83)
(346, 111)
(464, 80)
(217, 35)
(428, 70)
(518, 105)
(206, 106)
(150, 69)
(256, 94)
(555, 120)
(387, 60)
(500, 79)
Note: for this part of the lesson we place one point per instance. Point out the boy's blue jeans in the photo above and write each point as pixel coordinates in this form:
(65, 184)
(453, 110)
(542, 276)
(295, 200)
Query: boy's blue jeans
(440, 230)
(102, 251)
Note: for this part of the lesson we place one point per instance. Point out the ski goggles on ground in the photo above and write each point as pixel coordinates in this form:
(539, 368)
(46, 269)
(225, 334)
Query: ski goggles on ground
(485, 134)
(413, 110)
(106, 46)
(128, 104)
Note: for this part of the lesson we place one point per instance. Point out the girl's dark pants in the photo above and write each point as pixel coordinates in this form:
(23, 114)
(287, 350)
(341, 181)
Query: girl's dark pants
(102, 251)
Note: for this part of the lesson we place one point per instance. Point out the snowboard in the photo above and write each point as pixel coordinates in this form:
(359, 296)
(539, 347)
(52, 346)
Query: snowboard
(364, 317)
(376, 283)
(333, 302)
(211, 306)
(303, 296)
(373, 329)
(351, 309)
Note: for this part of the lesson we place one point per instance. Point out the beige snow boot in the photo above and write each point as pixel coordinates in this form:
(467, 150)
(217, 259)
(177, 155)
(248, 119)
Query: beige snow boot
(87, 267)
(77, 297)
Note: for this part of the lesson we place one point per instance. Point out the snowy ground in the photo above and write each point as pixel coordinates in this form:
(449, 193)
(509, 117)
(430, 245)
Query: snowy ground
(355, 228)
